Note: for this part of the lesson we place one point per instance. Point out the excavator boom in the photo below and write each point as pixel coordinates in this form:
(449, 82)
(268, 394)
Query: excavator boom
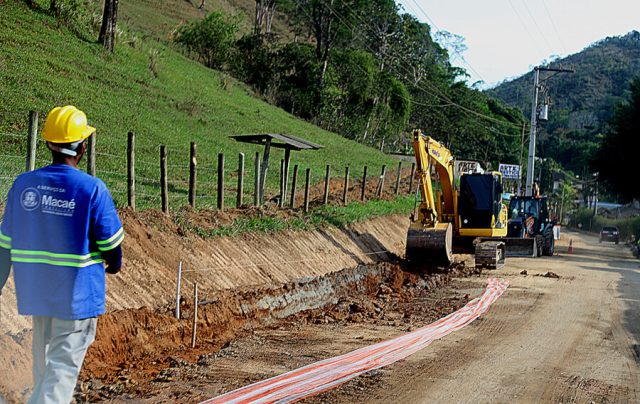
(430, 235)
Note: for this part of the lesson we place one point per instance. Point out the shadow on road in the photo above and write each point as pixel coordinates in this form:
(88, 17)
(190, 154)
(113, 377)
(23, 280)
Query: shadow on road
(618, 259)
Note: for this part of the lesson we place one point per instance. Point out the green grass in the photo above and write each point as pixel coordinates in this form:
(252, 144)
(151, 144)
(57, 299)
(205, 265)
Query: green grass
(338, 216)
(44, 64)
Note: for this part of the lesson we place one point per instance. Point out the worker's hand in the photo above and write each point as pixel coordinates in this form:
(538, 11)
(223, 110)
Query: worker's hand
(111, 270)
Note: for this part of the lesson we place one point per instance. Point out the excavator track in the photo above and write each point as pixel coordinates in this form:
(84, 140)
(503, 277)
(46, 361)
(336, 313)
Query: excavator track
(490, 254)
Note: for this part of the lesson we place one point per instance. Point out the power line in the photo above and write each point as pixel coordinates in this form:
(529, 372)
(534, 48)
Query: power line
(564, 48)
(544, 38)
(459, 54)
(525, 26)
(436, 92)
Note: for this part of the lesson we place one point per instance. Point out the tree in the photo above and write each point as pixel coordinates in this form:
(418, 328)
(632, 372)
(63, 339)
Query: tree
(211, 39)
(616, 160)
(107, 36)
(265, 9)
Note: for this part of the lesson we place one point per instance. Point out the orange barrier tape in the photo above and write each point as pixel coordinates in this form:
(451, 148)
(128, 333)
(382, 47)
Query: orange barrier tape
(329, 373)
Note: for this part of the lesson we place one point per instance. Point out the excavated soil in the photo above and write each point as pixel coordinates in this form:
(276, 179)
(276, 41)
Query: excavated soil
(137, 352)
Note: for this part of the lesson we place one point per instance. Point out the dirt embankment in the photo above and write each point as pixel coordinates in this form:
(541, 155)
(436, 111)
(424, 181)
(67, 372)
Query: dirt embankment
(155, 244)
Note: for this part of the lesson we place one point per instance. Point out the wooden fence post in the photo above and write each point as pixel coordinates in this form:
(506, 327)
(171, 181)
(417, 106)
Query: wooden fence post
(195, 314)
(193, 171)
(381, 182)
(306, 190)
(256, 187)
(32, 141)
(413, 174)
(282, 180)
(131, 170)
(346, 185)
(364, 184)
(325, 199)
(178, 290)
(164, 182)
(287, 163)
(398, 178)
(293, 187)
(265, 162)
(91, 155)
(240, 180)
(221, 181)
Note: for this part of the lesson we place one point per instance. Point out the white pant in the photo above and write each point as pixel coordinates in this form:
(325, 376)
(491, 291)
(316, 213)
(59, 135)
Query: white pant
(59, 347)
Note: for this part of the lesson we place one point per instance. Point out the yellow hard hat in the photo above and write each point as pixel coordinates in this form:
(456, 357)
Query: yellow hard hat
(66, 125)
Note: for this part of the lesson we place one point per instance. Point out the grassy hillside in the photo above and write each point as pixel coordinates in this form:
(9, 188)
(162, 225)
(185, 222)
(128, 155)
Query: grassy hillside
(158, 19)
(43, 63)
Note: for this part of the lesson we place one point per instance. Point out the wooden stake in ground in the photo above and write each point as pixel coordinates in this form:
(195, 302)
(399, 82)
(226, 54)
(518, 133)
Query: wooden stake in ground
(256, 181)
(91, 155)
(240, 180)
(398, 178)
(294, 182)
(164, 182)
(178, 290)
(364, 184)
(413, 174)
(32, 141)
(381, 182)
(193, 171)
(195, 314)
(346, 185)
(282, 180)
(221, 181)
(306, 190)
(131, 170)
(325, 200)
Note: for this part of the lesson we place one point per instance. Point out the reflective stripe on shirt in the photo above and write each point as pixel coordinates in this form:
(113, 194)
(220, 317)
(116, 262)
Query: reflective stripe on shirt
(5, 241)
(112, 242)
(57, 259)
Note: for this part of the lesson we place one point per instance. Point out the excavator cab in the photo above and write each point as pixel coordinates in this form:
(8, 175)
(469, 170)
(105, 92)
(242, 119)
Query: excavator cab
(479, 201)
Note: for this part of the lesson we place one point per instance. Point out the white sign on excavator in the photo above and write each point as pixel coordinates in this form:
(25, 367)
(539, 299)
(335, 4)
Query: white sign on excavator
(466, 167)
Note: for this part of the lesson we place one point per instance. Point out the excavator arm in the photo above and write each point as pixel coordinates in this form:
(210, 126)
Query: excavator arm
(430, 153)
(430, 237)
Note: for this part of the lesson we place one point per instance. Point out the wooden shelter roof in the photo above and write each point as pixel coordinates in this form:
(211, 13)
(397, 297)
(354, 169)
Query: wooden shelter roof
(279, 141)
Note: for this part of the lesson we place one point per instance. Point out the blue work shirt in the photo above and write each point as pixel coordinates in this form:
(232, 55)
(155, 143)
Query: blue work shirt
(56, 222)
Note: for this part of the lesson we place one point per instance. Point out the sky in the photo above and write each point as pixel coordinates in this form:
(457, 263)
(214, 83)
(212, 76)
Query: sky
(507, 38)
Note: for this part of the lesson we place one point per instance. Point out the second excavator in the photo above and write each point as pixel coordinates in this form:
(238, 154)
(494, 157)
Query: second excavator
(471, 211)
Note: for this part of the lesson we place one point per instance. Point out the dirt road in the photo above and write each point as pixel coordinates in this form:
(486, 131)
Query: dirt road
(573, 339)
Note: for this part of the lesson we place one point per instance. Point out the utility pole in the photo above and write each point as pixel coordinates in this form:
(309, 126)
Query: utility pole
(595, 204)
(534, 121)
(524, 126)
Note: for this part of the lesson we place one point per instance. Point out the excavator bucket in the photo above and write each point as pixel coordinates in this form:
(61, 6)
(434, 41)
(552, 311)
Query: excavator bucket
(430, 246)
(520, 247)
(515, 246)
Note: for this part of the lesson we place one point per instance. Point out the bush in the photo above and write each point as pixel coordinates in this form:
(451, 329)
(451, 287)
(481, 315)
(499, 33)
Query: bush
(595, 224)
(212, 39)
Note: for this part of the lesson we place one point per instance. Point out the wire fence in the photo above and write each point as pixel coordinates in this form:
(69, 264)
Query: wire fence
(203, 185)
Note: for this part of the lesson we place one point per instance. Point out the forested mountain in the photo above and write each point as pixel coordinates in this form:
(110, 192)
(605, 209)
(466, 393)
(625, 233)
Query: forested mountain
(582, 103)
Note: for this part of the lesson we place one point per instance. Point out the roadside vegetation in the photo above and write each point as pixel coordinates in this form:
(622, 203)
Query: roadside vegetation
(337, 216)
(589, 222)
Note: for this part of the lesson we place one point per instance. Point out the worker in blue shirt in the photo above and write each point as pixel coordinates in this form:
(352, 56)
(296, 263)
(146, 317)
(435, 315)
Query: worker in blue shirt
(60, 232)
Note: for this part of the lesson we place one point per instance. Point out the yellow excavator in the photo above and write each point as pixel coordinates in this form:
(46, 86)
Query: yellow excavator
(471, 211)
